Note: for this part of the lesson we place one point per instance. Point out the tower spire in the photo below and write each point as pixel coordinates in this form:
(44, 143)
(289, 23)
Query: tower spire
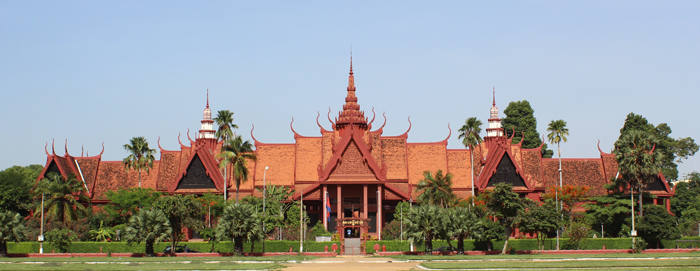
(207, 97)
(351, 113)
(494, 96)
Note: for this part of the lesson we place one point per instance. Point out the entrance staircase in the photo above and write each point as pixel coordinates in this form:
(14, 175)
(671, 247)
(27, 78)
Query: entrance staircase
(352, 246)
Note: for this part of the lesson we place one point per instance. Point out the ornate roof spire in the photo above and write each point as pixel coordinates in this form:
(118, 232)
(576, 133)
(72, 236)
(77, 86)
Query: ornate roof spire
(207, 97)
(351, 113)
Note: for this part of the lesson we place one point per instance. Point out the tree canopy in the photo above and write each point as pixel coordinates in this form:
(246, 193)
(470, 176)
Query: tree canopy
(15, 188)
(674, 150)
(521, 117)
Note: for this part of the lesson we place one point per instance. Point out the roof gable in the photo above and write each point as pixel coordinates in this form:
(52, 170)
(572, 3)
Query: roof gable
(351, 140)
(205, 172)
(196, 176)
(500, 167)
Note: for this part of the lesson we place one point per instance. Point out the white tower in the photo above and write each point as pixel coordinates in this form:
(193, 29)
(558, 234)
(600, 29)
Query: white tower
(207, 130)
(495, 128)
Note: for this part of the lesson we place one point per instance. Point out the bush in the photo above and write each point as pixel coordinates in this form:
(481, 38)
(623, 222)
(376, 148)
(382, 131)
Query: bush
(61, 239)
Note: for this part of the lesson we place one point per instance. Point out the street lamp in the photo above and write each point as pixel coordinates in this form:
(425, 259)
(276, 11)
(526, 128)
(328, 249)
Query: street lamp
(410, 207)
(41, 234)
(633, 233)
(264, 192)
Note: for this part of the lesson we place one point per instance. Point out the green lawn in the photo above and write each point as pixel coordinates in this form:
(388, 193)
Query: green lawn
(630, 263)
(538, 256)
(195, 265)
(151, 263)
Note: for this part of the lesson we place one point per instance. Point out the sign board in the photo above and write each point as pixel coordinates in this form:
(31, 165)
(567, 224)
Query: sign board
(40, 238)
(323, 238)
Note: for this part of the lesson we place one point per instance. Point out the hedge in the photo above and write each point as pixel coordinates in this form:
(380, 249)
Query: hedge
(123, 247)
(311, 246)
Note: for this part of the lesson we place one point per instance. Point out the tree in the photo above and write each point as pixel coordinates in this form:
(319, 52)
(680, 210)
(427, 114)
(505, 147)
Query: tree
(239, 223)
(140, 155)
(569, 196)
(213, 204)
(463, 222)
(182, 212)
(657, 225)
(224, 119)
(277, 202)
(63, 196)
(12, 228)
(423, 223)
(521, 117)
(237, 153)
(124, 203)
(436, 190)
(469, 133)
(16, 188)
(102, 234)
(149, 226)
(539, 219)
(674, 150)
(505, 204)
(557, 133)
(487, 231)
(611, 210)
(639, 162)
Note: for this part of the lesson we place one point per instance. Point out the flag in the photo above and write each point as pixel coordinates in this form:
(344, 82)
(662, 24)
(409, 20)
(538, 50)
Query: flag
(328, 207)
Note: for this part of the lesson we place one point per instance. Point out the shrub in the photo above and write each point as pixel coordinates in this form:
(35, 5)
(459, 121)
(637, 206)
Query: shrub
(61, 239)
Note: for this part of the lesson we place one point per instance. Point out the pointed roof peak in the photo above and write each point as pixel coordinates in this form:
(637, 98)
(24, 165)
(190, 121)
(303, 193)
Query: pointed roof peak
(207, 97)
(494, 96)
(351, 63)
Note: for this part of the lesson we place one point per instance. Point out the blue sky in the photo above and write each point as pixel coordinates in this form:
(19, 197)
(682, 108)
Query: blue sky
(99, 71)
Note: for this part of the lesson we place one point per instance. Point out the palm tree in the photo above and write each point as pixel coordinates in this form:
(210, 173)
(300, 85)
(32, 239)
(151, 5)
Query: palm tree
(140, 156)
(436, 190)
(63, 197)
(470, 138)
(224, 119)
(237, 152)
(241, 223)
(557, 133)
(638, 162)
(149, 226)
(11, 229)
(463, 222)
(423, 223)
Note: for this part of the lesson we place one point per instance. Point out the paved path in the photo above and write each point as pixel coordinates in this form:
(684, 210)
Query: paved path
(351, 263)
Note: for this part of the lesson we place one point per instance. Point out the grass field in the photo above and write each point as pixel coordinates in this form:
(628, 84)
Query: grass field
(537, 256)
(601, 264)
(150, 263)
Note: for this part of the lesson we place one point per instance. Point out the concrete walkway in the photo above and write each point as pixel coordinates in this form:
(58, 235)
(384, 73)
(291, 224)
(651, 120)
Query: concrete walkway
(347, 263)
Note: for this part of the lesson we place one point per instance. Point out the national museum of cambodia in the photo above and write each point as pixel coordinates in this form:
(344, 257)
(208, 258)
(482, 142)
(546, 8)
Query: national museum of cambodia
(353, 165)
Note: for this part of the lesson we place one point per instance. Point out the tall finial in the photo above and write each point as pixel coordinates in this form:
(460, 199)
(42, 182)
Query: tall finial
(351, 62)
(207, 97)
(494, 96)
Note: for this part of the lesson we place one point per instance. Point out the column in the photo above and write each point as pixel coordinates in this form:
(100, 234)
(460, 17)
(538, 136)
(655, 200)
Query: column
(364, 199)
(325, 203)
(379, 212)
(340, 200)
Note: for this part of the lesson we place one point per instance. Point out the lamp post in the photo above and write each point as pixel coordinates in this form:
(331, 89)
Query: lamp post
(41, 234)
(301, 224)
(264, 193)
(410, 206)
(633, 233)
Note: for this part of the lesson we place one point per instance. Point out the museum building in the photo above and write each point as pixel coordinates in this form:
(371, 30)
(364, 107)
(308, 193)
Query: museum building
(353, 167)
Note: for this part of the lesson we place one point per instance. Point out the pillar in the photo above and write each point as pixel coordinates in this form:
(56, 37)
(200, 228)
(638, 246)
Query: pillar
(325, 203)
(340, 200)
(668, 204)
(364, 199)
(379, 212)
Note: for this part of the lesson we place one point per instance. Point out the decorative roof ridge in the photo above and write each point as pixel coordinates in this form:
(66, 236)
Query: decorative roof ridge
(323, 130)
(602, 153)
(381, 129)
